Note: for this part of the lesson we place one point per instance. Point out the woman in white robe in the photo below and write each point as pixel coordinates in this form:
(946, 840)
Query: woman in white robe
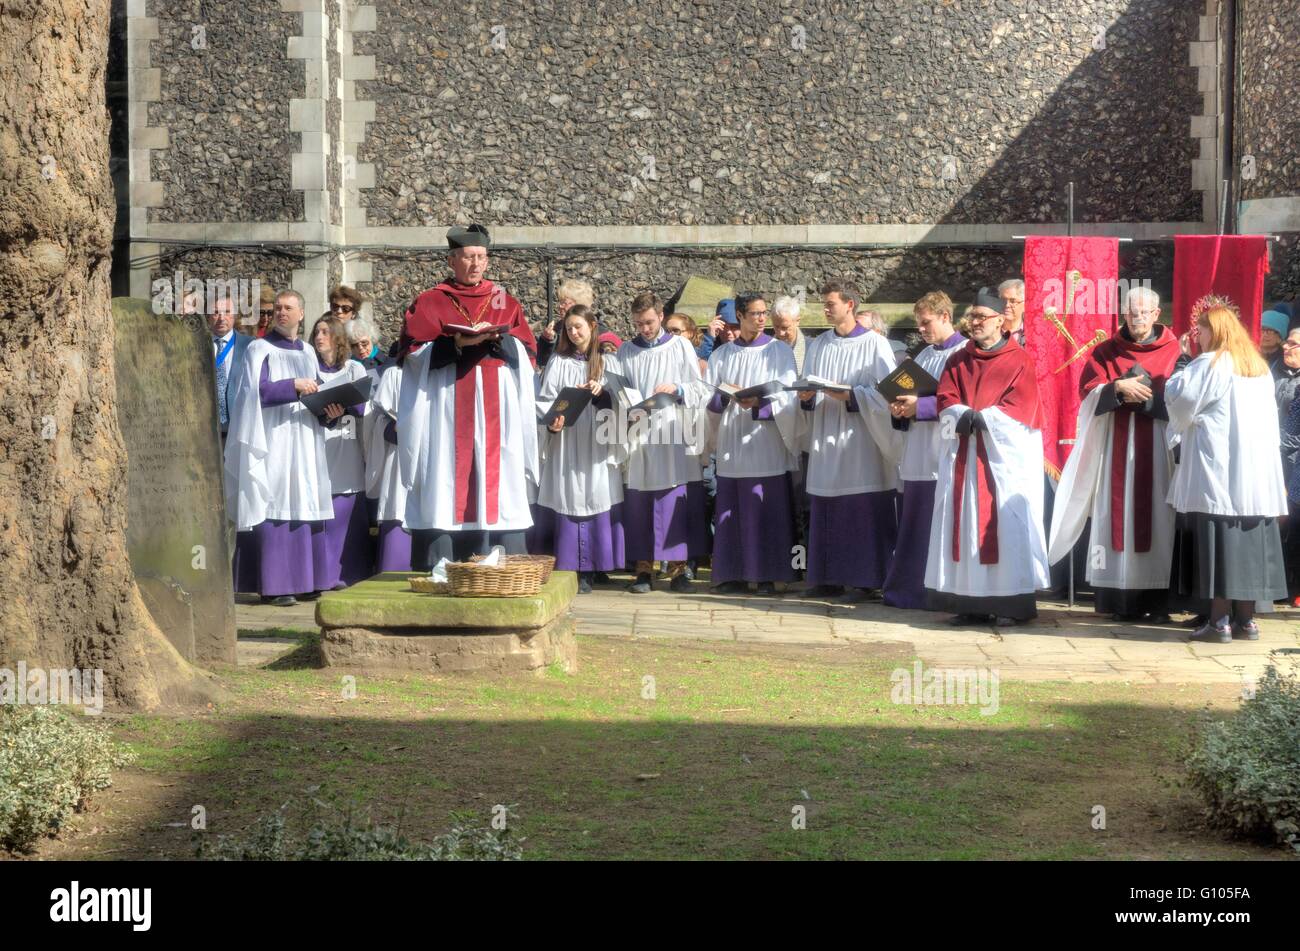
(383, 475)
(1228, 481)
(581, 486)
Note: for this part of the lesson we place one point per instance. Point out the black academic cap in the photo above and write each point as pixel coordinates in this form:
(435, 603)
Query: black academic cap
(990, 298)
(473, 236)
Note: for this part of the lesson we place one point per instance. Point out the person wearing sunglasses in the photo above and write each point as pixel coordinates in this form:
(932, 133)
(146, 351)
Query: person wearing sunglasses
(345, 302)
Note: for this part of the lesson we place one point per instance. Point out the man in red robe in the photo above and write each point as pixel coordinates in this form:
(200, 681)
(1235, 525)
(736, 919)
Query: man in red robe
(988, 556)
(466, 430)
(1119, 472)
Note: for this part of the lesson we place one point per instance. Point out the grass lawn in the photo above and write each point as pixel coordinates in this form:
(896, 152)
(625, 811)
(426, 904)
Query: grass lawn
(712, 767)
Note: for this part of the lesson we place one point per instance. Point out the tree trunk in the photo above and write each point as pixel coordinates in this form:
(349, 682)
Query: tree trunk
(67, 596)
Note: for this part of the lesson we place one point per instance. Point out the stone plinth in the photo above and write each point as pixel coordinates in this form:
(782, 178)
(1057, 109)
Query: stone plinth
(381, 624)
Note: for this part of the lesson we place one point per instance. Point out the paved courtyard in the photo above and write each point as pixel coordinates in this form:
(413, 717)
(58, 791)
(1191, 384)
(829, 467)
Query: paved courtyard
(1062, 644)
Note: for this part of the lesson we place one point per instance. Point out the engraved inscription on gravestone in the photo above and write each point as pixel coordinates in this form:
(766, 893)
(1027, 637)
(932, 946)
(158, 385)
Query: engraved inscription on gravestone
(176, 520)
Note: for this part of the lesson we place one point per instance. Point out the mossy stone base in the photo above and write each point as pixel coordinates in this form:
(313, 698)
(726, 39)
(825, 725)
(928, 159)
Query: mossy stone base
(483, 650)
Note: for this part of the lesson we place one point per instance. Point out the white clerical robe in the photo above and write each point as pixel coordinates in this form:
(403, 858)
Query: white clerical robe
(666, 450)
(1085, 490)
(275, 464)
(751, 448)
(843, 456)
(383, 470)
(579, 474)
(1015, 454)
(344, 450)
(426, 444)
(1229, 463)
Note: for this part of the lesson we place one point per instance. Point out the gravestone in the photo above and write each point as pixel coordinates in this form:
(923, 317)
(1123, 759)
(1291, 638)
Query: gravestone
(176, 518)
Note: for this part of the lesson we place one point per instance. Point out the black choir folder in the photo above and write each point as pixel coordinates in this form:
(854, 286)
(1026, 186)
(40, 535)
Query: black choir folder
(816, 384)
(750, 392)
(346, 394)
(569, 403)
(656, 402)
(908, 379)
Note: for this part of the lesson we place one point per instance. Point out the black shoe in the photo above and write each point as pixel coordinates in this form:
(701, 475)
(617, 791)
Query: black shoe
(641, 585)
(766, 588)
(968, 620)
(1126, 618)
(681, 584)
(309, 596)
(284, 601)
(1003, 621)
(1198, 621)
(1247, 631)
(600, 577)
(689, 570)
(855, 596)
(824, 591)
(730, 587)
(1159, 619)
(584, 582)
(1209, 633)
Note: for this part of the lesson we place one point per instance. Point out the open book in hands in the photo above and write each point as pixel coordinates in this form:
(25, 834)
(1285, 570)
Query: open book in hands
(750, 392)
(816, 384)
(482, 327)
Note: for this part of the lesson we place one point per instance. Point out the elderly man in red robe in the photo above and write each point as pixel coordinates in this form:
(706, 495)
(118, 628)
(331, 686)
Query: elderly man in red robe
(1119, 471)
(467, 429)
(988, 555)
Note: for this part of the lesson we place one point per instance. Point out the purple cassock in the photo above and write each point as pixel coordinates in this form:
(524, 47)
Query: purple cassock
(753, 530)
(590, 542)
(905, 583)
(666, 525)
(851, 539)
(343, 549)
(392, 547)
(278, 557)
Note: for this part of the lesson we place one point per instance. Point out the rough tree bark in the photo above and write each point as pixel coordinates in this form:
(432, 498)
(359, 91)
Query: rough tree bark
(67, 595)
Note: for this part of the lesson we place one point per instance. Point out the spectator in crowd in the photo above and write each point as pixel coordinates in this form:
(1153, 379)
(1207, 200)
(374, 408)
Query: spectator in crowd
(1286, 375)
(874, 321)
(1272, 331)
(682, 325)
(265, 310)
(1012, 293)
(716, 334)
(570, 292)
(609, 342)
(228, 347)
(345, 302)
(785, 327)
(364, 341)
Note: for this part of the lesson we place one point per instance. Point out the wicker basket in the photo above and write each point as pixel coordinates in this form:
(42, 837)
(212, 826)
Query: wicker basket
(519, 577)
(426, 585)
(545, 562)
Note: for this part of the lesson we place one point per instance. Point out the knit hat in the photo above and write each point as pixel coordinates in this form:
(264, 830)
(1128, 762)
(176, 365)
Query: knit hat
(1275, 320)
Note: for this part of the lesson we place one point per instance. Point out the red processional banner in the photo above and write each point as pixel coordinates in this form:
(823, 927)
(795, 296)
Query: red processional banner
(1072, 301)
(1228, 265)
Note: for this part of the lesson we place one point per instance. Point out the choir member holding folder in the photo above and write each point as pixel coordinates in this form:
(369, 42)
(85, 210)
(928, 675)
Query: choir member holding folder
(664, 506)
(580, 479)
(753, 424)
(908, 398)
(277, 477)
(343, 549)
(851, 484)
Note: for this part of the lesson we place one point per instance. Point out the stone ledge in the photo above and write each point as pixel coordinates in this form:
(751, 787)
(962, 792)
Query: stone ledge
(387, 602)
(489, 651)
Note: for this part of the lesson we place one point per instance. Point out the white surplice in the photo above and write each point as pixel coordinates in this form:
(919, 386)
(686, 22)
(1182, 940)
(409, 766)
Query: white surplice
(383, 470)
(426, 443)
(579, 475)
(1229, 463)
(275, 464)
(666, 451)
(843, 455)
(743, 446)
(1084, 491)
(344, 441)
(1015, 454)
